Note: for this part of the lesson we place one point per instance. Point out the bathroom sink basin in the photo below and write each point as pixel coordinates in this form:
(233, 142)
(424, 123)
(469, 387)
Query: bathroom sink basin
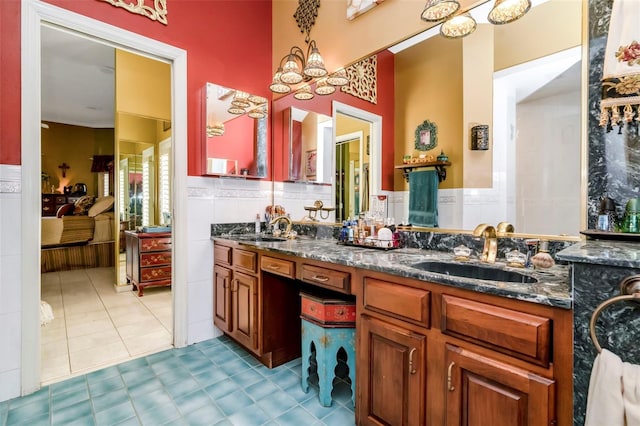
(475, 271)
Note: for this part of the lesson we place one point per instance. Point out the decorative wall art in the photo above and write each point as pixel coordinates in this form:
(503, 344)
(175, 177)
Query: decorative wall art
(426, 136)
(306, 14)
(311, 163)
(356, 8)
(156, 13)
(363, 81)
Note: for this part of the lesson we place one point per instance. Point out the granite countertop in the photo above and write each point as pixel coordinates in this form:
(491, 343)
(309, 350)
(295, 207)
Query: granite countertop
(552, 288)
(603, 252)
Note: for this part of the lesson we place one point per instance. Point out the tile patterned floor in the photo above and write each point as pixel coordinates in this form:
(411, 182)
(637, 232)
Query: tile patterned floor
(94, 326)
(215, 382)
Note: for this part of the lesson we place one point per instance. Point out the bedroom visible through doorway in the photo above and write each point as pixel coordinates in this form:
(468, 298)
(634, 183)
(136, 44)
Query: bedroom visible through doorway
(98, 319)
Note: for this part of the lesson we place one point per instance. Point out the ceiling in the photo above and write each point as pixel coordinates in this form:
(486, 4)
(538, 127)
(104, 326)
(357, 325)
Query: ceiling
(78, 84)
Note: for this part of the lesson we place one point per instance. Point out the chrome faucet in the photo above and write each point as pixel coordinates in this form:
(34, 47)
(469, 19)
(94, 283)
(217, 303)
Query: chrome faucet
(490, 249)
(287, 231)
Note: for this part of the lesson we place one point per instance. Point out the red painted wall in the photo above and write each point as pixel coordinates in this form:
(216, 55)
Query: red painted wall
(228, 42)
(322, 105)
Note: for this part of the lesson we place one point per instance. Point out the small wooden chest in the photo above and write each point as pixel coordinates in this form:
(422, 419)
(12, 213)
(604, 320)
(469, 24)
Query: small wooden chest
(328, 312)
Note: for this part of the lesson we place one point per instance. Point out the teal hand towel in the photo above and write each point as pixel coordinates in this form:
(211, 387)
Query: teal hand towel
(423, 198)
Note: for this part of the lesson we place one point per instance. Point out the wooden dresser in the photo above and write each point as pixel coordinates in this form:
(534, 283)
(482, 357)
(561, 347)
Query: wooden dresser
(52, 202)
(148, 259)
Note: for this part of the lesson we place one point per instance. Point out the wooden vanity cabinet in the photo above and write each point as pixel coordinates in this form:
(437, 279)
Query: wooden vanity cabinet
(257, 302)
(438, 355)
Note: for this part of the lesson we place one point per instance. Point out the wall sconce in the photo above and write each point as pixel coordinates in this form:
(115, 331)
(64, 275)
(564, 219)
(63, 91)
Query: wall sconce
(505, 11)
(312, 65)
(437, 10)
(480, 137)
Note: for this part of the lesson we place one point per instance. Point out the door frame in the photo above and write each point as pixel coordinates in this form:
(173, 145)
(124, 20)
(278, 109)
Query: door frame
(35, 13)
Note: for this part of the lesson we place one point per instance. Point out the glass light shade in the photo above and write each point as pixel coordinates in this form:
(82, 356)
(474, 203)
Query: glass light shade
(216, 129)
(235, 110)
(240, 103)
(291, 72)
(338, 78)
(458, 26)
(255, 99)
(437, 10)
(324, 88)
(257, 113)
(505, 11)
(315, 65)
(303, 94)
(277, 86)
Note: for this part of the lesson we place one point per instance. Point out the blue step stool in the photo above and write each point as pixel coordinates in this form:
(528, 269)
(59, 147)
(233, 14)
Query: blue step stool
(327, 341)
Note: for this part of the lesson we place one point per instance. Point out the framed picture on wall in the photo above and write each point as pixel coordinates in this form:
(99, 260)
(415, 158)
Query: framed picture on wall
(310, 163)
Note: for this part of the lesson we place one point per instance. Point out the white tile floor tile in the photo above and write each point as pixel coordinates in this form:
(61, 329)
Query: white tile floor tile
(94, 326)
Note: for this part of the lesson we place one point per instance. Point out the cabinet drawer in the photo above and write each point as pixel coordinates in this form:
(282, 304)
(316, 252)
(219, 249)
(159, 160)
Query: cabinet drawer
(246, 260)
(48, 199)
(397, 300)
(329, 278)
(155, 244)
(155, 273)
(60, 199)
(286, 268)
(519, 334)
(155, 259)
(222, 254)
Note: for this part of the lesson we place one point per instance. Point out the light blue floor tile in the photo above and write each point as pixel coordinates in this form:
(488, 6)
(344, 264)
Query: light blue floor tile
(116, 414)
(295, 391)
(110, 399)
(152, 400)
(250, 416)
(297, 416)
(193, 401)
(71, 385)
(103, 374)
(234, 402)
(134, 377)
(67, 414)
(107, 385)
(220, 389)
(340, 416)
(159, 415)
(247, 378)
(171, 376)
(26, 412)
(206, 415)
(182, 387)
(61, 400)
(277, 403)
(144, 388)
(211, 376)
(210, 383)
(285, 379)
(261, 389)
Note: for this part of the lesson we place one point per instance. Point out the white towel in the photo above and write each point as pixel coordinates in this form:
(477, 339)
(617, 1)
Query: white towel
(605, 406)
(631, 393)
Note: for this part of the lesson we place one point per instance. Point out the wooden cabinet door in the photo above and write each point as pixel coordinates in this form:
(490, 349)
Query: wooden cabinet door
(482, 391)
(392, 374)
(222, 298)
(244, 294)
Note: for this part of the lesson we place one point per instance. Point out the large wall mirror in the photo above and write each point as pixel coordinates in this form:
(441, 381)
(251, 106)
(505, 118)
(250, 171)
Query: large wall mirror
(524, 81)
(235, 141)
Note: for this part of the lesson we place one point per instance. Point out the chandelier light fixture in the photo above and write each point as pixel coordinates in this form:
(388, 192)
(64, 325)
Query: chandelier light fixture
(323, 88)
(459, 26)
(437, 10)
(296, 67)
(505, 11)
